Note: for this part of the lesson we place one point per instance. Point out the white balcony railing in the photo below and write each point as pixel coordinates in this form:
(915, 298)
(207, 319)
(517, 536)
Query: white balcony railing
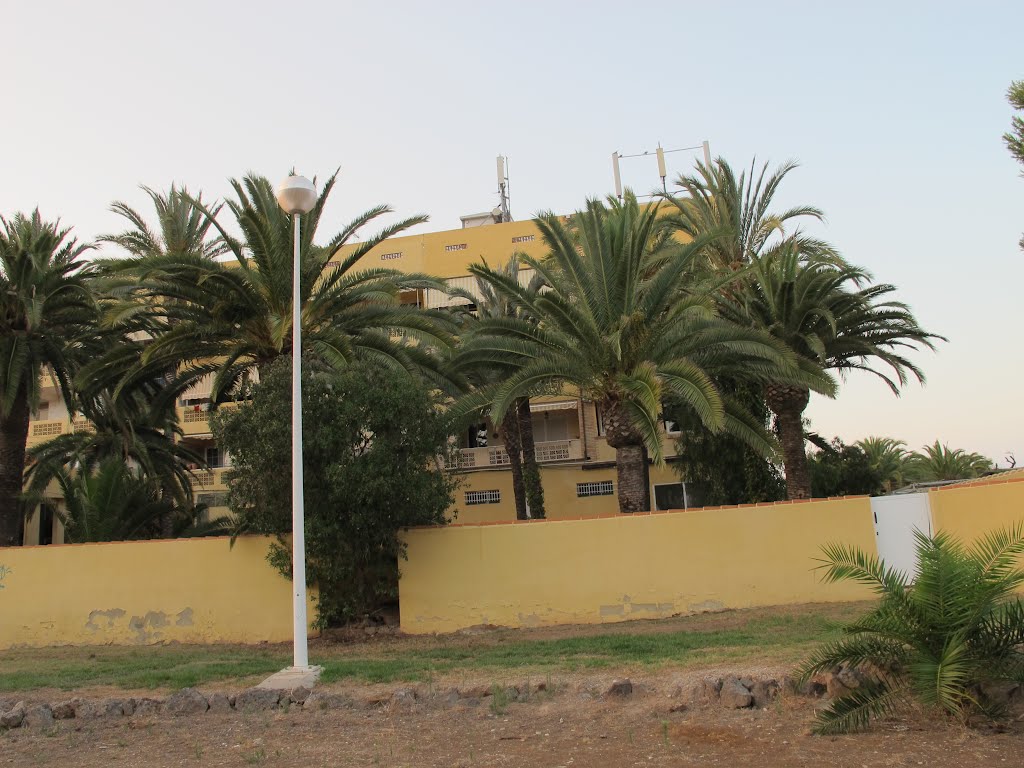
(497, 456)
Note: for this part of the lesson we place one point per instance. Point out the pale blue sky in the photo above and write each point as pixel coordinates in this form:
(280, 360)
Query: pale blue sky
(895, 111)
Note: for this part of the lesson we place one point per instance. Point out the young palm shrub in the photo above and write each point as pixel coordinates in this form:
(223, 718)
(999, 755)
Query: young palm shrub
(940, 462)
(956, 629)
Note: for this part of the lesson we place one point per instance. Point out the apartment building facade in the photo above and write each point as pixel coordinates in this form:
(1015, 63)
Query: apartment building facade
(577, 465)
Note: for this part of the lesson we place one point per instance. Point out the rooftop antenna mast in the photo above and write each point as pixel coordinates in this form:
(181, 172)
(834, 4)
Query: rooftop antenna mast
(662, 172)
(503, 189)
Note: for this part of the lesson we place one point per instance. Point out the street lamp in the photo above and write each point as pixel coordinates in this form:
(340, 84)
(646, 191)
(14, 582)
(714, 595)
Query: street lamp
(297, 196)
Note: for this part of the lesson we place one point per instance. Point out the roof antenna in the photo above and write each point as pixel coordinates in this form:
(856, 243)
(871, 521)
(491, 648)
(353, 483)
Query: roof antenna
(660, 153)
(503, 189)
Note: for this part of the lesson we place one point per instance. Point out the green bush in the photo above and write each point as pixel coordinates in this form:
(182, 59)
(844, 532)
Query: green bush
(944, 640)
(371, 438)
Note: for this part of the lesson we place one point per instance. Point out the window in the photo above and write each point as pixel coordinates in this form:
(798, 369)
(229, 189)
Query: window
(599, 488)
(391, 256)
(457, 247)
(213, 499)
(600, 420)
(44, 411)
(670, 496)
(213, 457)
(483, 497)
(523, 239)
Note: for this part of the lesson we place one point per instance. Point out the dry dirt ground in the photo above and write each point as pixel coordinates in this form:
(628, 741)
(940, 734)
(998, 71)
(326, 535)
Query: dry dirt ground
(571, 725)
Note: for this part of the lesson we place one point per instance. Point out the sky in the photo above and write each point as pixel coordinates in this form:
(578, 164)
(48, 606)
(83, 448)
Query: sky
(894, 110)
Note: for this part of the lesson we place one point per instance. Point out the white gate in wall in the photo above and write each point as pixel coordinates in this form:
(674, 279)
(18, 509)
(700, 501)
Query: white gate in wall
(896, 519)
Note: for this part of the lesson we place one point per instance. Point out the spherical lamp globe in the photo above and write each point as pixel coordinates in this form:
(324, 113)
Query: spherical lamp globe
(296, 195)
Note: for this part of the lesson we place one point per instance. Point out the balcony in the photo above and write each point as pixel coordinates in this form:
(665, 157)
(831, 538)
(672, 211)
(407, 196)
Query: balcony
(41, 431)
(210, 479)
(497, 456)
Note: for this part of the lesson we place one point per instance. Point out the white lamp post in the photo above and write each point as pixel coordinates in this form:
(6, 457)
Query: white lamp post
(297, 196)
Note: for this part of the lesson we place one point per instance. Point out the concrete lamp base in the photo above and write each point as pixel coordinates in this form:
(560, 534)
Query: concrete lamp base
(291, 678)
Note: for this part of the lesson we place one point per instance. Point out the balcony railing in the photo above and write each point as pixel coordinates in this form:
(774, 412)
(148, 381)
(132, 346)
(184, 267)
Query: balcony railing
(497, 456)
(209, 478)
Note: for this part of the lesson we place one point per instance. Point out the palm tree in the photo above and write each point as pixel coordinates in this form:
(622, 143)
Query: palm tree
(956, 628)
(615, 322)
(820, 310)
(734, 215)
(228, 318)
(516, 429)
(939, 462)
(48, 320)
(137, 435)
(887, 457)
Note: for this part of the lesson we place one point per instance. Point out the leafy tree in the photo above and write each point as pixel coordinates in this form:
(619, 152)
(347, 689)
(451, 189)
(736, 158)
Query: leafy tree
(726, 468)
(939, 462)
(371, 441)
(843, 470)
(618, 321)
(888, 458)
(229, 317)
(957, 627)
(1014, 138)
(48, 321)
(830, 315)
(516, 429)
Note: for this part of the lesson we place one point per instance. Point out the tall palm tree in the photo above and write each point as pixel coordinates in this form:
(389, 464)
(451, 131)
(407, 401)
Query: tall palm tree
(734, 215)
(833, 319)
(48, 321)
(230, 317)
(516, 429)
(616, 320)
(888, 457)
(940, 462)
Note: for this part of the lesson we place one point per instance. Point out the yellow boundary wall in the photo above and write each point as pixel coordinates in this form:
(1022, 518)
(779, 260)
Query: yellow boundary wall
(973, 509)
(144, 592)
(629, 566)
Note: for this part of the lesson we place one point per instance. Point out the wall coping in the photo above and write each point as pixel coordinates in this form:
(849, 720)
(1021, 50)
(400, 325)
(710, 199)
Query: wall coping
(624, 515)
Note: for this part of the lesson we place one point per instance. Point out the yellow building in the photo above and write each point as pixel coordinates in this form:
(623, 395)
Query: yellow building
(577, 465)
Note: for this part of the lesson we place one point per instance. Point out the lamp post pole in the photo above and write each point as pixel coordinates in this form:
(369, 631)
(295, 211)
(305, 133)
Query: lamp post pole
(297, 196)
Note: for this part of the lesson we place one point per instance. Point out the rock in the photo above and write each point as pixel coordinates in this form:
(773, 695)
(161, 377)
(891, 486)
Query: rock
(65, 710)
(116, 708)
(999, 694)
(299, 695)
(318, 700)
(257, 699)
(38, 716)
(219, 703)
(148, 706)
(764, 692)
(734, 695)
(86, 710)
(403, 698)
(476, 692)
(620, 688)
(187, 701)
(708, 689)
(679, 706)
(747, 682)
(13, 717)
(451, 698)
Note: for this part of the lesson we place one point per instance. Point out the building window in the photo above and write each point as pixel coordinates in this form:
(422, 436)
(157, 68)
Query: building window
(213, 457)
(391, 256)
(483, 497)
(457, 247)
(213, 499)
(599, 420)
(523, 239)
(600, 488)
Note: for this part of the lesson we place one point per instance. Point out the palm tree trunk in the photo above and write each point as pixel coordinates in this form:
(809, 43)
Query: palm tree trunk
(531, 472)
(788, 404)
(509, 431)
(13, 436)
(630, 459)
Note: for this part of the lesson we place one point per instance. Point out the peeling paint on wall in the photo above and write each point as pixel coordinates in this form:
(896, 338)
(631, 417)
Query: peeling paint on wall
(184, 618)
(111, 616)
(4, 571)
